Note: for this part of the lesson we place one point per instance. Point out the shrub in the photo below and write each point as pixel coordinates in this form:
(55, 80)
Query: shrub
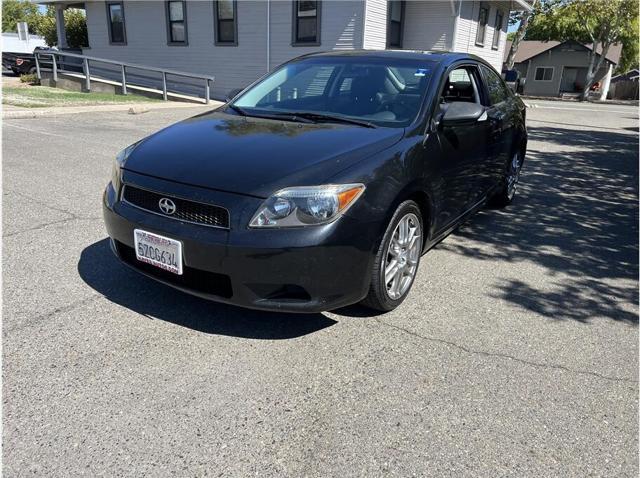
(75, 26)
(32, 79)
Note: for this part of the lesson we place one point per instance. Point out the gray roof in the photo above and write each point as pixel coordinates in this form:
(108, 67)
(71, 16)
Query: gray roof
(530, 48)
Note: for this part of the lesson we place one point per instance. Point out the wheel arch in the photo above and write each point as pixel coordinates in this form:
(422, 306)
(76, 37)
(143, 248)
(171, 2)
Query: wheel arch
(418, 193)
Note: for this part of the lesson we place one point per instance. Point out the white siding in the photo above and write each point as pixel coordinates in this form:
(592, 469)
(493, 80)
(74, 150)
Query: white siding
(341, 29)
(428, 25)
(375, 25)
(468, 26)
(12, 43)
(233, 66)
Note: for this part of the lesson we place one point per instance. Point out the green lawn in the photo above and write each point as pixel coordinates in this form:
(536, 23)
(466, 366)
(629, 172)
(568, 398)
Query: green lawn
(44, 96)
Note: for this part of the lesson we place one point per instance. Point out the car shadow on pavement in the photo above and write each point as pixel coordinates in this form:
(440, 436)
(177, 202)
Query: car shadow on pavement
(576, 214)
(100, 269)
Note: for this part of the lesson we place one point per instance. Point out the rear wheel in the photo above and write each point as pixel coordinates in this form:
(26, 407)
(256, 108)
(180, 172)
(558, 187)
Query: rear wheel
(397, 259)
(510, 182)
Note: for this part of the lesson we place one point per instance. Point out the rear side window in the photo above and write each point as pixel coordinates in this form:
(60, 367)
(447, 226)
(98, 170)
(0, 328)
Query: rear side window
(495, 86)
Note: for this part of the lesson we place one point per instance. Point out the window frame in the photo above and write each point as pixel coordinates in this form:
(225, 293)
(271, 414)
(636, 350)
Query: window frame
(216, 23)
(473, 71)
(553, 72)
(497, 30)
(389, 21)
(294, 25)
(433, 112)
(485, 7)
(110, 24)
(167, 10)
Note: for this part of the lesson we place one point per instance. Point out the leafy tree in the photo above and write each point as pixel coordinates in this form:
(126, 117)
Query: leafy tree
(75, 24)
(630, 47)
(522, 18)
(14, 11)
(601, 23)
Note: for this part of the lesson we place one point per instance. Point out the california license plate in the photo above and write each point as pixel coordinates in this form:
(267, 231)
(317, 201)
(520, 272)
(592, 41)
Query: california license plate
(158, 251)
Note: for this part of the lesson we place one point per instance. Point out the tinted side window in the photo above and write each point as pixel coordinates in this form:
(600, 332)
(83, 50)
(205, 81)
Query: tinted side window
(495, 87)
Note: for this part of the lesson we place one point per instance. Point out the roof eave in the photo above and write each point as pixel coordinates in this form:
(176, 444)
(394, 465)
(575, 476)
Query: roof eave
(521, 5)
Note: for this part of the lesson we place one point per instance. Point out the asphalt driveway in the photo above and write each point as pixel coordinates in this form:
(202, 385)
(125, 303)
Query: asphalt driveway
(515, 355)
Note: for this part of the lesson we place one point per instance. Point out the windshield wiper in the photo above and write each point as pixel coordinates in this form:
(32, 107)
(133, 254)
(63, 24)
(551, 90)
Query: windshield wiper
(237, 109)
(302, 116)
(276, 116)
(317, 117)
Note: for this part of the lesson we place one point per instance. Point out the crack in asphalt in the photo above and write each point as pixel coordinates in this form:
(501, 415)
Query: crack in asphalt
(72, 216)
(505, 356)
(31, 321)
(42, 226)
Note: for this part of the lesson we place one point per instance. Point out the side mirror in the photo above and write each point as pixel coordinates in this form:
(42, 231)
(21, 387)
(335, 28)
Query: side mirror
(232, 94)
(460, 112)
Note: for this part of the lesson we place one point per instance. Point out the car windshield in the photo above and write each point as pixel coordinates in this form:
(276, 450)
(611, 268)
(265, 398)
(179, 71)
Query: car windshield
(375, 91)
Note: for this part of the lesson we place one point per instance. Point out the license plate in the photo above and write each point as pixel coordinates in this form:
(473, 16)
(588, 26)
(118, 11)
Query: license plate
(158, 251)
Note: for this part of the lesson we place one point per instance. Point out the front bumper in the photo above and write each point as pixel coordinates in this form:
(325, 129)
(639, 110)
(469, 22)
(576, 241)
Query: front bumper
(310, 269)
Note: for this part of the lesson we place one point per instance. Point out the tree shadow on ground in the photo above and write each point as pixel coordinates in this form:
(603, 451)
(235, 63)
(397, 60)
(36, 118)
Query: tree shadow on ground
(99, 268)
(576, 214)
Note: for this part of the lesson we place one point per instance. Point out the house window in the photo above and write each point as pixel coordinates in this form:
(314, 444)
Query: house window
(395, 15)
(225, 13)
(483, 15)
(544, 73)
(498, 30)
(177, 23)
(115, 14)
(306, 23)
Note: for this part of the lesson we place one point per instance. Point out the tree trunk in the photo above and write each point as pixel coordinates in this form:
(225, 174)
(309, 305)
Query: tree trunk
(594, 67)
(522, 29)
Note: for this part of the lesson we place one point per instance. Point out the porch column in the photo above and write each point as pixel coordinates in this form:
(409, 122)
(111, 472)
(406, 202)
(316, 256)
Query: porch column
(606, 83)
(60, 29)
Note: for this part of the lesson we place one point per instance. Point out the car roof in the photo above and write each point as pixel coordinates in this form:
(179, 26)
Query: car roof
(444, 57)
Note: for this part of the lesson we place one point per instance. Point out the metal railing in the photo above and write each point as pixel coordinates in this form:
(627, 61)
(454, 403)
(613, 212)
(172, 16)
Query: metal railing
(55, 68)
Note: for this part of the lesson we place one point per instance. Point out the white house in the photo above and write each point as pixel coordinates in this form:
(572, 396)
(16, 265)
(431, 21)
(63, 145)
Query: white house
(238, 41)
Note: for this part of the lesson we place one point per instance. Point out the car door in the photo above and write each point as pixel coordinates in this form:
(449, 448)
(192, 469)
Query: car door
(501, 113)
(462, 148)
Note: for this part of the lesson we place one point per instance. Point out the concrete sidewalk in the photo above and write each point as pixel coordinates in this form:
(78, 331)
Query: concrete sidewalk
(17, 112)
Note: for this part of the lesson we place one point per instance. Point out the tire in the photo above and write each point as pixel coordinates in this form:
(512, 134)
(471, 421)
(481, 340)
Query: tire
(509, 182)
(32, 70)
(387, 295)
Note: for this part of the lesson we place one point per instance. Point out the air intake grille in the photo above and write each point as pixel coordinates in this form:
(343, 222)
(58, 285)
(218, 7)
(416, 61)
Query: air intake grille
(194, 279)
(190, 211)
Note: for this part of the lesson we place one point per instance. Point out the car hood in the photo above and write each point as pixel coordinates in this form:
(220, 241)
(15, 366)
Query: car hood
(254, 156)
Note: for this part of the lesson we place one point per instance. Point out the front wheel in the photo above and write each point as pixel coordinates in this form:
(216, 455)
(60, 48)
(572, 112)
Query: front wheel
(397, 259)
(509, 182)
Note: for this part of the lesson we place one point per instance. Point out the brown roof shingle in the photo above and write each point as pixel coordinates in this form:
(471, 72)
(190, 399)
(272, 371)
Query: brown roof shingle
(530, 48)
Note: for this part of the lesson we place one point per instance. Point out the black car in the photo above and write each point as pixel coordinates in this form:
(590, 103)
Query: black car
(19, 63)
(23, 63)
(323, 183)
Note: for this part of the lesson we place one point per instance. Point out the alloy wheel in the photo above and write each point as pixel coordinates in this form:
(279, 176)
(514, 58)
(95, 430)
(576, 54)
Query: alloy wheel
(513, 175)
(403, 254)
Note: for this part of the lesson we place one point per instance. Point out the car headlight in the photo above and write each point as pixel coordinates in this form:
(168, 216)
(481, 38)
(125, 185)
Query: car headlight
(121, 157)
(306, 205)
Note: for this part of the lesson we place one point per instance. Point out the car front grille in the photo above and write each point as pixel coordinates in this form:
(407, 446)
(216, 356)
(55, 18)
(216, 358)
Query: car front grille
(185, 210)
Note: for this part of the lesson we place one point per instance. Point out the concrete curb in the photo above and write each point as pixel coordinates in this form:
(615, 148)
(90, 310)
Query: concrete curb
(133, 108)
(569, 100)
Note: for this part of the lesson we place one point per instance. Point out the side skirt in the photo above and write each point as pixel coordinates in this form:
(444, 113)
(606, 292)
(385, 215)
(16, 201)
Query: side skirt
(440, 236)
